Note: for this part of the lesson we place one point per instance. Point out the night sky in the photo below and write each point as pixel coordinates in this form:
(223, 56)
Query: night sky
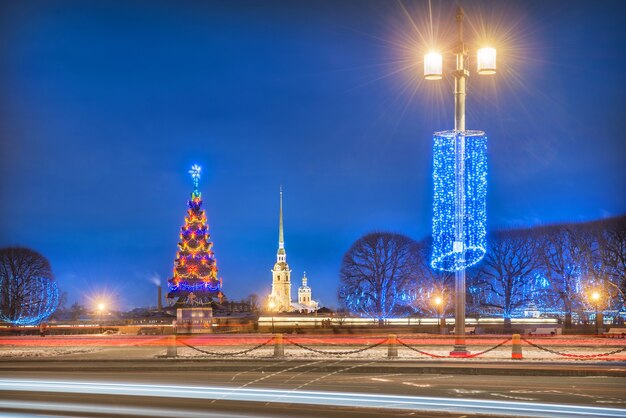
(104, 106)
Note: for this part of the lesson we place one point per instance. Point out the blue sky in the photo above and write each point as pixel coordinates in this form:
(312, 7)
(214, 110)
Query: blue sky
(105, 106)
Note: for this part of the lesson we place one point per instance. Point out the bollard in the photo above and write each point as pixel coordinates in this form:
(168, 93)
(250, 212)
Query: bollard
(516, 354)
(171, 346)
(392, 346)
(279, 347)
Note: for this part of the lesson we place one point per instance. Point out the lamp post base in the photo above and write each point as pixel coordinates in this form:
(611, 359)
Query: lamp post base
(459, 351)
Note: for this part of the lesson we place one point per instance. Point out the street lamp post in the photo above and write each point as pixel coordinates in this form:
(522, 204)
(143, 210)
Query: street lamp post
(100, 312)
(433, 70)
(595, 296)
(272, 305)
(438, 304)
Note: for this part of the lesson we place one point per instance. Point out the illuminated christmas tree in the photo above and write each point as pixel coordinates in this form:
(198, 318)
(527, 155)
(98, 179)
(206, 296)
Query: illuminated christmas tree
(195, 279)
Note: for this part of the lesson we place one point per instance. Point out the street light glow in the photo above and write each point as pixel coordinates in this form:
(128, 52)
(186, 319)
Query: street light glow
(101, 306)
(438, 301)
(486, 61)
(433, 66)
(595, 296)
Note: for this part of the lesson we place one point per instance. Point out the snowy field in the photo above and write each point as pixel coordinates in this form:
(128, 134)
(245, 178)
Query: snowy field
(9, 352)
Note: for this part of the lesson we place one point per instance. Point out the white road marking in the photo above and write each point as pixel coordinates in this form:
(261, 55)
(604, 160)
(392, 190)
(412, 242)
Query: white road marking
(417, 385)
(519, 398)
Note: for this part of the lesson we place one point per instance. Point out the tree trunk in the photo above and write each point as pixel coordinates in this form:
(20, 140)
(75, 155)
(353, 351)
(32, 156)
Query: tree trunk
(568, 320)
(507, 324)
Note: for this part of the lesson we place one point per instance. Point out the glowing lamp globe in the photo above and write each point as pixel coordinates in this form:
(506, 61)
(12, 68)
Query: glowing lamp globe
(433, 66)
(595, 296)
(486, 61)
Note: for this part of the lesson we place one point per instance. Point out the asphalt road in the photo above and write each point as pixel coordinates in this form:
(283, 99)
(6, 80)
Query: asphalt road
(286, 389)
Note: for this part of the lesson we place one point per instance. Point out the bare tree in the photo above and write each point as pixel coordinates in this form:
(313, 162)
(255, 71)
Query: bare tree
(253, 301)
(430, 284)
(506, 275)
(565, 255)
(76, 311)
(612, 255)
(28, 293)
(376, 274)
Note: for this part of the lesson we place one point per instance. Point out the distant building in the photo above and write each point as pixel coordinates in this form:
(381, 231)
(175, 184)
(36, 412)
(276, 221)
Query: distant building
(305, 301)
(280, 298)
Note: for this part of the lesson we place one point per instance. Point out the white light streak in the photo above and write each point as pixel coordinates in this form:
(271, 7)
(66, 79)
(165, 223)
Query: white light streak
(358, 400)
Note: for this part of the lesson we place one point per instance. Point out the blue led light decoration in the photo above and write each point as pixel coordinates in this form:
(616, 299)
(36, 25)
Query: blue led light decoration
(467, 204)
(28, 290)
(28, 303)
(195, 176)
(195, 266)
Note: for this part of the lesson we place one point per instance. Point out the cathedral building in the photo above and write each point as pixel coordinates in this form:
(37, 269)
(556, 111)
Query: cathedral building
(280, 298)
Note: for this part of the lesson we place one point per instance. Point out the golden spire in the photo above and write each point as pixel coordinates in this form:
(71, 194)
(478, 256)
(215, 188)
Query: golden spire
(281, 238)
(281, 255)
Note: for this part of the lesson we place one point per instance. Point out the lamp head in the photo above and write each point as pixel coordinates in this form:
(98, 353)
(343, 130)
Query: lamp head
(438, 300)
(595, 296)
(486, 61)
(433, 66)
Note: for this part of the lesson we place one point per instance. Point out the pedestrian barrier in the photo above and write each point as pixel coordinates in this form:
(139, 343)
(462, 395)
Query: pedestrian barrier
(393, 342)
(171, 347)
(516, 352)
(392, 346)
(231, 353)
(420, 351)
(480, 353)
(575, 356)
(337, 353)
(279, 346)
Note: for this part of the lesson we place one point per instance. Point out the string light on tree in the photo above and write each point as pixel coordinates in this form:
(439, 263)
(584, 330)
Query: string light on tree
(195, 267)
(28, 290)
(39, 303)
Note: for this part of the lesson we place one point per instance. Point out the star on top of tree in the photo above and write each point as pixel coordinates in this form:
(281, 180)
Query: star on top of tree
(195, 175)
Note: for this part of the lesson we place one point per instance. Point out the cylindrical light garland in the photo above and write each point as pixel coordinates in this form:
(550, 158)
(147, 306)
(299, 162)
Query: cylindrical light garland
(447, 256)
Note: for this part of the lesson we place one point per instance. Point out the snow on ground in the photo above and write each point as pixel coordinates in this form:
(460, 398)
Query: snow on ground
(21, 352)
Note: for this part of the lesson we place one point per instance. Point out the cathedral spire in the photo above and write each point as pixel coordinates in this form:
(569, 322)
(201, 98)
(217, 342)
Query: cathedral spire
(281, 255)
(281, 238)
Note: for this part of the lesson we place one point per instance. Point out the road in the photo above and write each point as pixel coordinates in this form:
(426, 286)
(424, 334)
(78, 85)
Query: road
(292, 388)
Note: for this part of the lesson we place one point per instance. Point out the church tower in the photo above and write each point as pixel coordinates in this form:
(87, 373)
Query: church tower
(280, 299)
(304, 292)
(304, 297)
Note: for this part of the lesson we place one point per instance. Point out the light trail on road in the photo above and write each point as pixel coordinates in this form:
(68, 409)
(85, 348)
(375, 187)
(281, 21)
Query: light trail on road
(321, 398)
(98, 409)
